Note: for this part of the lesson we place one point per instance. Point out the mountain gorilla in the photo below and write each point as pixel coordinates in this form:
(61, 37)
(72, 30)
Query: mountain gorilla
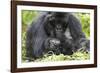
(56, 32)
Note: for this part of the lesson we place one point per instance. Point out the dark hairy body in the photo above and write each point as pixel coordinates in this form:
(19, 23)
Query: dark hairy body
(58, 32)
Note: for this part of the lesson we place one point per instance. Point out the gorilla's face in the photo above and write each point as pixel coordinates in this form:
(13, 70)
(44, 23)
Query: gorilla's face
(59, 22)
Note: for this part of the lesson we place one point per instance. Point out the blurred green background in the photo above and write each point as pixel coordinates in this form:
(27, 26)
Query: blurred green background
(29, 16)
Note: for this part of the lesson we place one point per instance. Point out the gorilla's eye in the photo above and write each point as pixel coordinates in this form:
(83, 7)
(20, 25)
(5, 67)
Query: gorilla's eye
(51, 18)
(65, 24)
(52, 22)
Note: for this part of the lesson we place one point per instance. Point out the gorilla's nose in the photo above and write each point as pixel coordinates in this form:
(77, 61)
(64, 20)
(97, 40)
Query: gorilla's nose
(58, 28)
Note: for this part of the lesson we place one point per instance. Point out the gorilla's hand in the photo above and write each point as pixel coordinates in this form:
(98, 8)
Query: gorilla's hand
(52, 43)
(52, 46)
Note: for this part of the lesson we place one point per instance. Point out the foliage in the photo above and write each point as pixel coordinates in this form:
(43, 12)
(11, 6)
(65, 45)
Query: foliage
(85, 21)
(28, 16)
(76, 56)
(23, 46)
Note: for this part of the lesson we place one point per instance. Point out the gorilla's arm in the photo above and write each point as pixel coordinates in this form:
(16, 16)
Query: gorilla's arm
(35, 38)
(75, 27)
(76, 31)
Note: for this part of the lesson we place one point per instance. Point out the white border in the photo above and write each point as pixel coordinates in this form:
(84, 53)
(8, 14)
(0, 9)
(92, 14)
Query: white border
(41, 64)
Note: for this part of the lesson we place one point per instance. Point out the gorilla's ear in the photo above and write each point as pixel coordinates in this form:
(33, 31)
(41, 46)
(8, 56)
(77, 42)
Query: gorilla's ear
(75, 27)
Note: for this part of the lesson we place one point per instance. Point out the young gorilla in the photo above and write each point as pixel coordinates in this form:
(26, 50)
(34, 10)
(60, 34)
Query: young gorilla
(54, 31)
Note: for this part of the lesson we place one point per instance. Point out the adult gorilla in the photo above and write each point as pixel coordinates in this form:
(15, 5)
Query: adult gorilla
(58, 32)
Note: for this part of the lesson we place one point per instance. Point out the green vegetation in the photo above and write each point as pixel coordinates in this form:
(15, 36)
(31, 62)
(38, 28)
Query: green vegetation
(29, 16)
(85, 21)
(76, 56)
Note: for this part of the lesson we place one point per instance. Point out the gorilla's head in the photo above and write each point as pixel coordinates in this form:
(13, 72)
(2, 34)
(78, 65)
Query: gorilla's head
(57, 23)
